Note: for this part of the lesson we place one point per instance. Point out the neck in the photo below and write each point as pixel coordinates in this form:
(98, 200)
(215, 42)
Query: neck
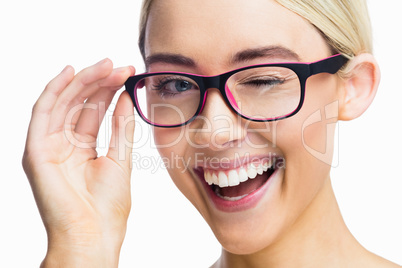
(319, 238)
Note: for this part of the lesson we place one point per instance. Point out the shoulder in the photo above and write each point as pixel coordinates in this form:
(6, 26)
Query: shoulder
(376, 261)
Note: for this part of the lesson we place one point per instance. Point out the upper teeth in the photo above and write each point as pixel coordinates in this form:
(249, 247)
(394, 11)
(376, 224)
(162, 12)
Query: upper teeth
(233, 177)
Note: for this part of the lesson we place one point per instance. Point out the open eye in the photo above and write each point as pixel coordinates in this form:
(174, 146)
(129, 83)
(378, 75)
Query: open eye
(173, 84)
(182, 85)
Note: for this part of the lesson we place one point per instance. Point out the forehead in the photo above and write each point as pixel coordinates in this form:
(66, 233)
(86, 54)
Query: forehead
(211, 31)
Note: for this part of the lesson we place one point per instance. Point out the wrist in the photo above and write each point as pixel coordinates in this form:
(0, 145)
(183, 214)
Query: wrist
(80, 259)
(82, 252)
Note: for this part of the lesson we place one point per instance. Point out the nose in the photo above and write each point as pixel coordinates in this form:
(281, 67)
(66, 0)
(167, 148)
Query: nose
(218, 126)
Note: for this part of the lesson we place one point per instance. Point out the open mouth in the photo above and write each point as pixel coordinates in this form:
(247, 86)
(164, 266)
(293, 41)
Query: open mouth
(236, 184)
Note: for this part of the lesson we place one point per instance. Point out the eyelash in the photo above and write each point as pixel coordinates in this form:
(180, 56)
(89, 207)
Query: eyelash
(257, 82)
(260, 81)
(263, 82)
(164, 93)
(161, 83)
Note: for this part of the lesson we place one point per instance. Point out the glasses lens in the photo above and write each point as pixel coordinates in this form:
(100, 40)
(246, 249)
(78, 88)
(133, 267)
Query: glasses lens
(264, 92)
(167, 99)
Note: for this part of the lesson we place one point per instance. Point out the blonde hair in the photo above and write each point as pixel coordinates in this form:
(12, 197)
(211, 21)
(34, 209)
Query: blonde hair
(345, 24)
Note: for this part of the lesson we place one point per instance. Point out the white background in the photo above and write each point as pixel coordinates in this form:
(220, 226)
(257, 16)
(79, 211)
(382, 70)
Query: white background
(38, 38)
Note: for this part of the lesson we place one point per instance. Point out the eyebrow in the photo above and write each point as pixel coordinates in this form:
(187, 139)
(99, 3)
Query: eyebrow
(170, 58)
(239, 57)
(264, 52)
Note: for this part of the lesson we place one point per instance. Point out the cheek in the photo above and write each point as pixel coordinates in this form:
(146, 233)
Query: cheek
(172, 145)
(166, 138)
(320, 115)
(306, 141)
(312, 128)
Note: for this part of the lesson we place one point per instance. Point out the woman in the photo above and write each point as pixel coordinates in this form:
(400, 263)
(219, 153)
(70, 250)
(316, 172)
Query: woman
(256, 150)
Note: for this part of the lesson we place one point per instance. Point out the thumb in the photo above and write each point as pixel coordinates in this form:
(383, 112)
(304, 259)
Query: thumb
(123, 123)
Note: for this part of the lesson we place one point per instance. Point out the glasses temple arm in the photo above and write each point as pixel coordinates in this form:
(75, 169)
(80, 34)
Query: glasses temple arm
(330, 65)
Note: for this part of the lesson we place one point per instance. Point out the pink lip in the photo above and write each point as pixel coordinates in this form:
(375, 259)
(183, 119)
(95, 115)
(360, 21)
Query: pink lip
(248, 202)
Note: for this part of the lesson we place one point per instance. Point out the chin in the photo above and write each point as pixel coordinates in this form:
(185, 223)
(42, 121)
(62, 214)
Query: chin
(244, 242)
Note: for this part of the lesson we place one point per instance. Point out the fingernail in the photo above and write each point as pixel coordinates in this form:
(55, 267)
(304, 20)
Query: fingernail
(65, 69)
(132, 69)
(102, 61)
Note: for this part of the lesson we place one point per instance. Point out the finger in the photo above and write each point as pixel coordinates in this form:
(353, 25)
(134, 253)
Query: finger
(84, 84)
(46, 101)
(95, 107)
(121, 142)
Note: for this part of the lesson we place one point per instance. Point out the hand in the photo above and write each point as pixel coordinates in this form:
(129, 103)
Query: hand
(84, 200)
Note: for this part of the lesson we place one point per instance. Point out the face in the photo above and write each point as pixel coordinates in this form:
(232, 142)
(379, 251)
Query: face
(219, 145)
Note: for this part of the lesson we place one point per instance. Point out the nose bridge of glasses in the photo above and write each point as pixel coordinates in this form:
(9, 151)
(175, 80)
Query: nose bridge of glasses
(218, 82)
(208, 82)
(212, 82)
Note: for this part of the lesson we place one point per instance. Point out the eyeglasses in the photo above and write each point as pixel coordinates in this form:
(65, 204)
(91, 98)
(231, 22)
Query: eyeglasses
(261, 93)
